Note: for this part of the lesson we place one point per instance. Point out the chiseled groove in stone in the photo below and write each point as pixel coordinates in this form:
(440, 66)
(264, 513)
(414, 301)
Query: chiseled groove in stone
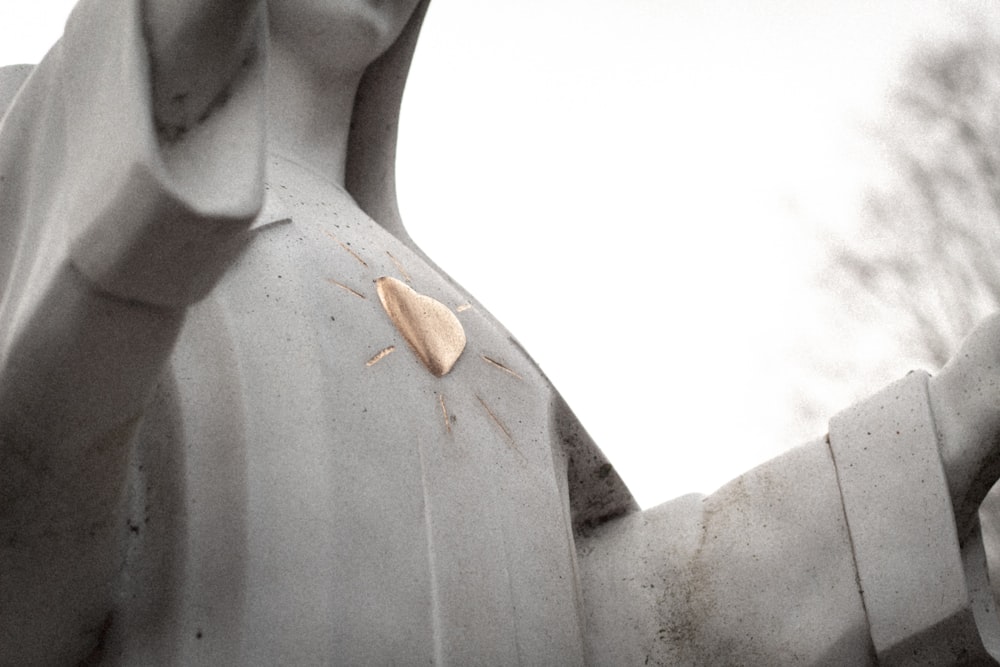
(497, 364)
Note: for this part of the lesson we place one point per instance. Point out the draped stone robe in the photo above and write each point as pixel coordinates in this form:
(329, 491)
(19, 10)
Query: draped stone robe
(301, 489)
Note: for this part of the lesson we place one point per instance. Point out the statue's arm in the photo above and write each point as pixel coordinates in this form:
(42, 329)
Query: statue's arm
(758, 573)
(112, 226)
(843, 551)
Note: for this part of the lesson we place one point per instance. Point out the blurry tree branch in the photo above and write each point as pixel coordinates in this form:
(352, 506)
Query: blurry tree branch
(927, 256)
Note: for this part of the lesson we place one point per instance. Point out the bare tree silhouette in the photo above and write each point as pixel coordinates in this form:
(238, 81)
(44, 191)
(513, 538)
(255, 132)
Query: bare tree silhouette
(927, 257)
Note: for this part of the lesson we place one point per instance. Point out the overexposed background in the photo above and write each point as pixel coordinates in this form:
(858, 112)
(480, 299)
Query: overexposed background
(642, 192)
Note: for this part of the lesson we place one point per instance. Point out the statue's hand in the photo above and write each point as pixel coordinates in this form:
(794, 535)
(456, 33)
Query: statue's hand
(197, 49)
(965, 400)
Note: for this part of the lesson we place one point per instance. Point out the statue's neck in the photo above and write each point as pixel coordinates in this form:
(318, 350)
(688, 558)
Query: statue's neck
(309, 112)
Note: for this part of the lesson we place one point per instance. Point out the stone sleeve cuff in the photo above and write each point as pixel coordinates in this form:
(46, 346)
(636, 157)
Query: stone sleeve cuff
(902, 529)
(144, 223)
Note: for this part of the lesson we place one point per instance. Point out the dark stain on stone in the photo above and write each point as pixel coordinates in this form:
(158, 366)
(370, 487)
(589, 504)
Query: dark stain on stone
(96, 656)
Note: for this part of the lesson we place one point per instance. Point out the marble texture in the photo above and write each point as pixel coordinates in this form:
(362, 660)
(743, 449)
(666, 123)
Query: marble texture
(244, 420)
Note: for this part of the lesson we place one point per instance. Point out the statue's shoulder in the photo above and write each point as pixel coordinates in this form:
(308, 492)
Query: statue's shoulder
(12, 77)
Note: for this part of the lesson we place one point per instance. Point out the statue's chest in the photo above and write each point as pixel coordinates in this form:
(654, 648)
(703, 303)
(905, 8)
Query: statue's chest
(337, 326)
(375, 509)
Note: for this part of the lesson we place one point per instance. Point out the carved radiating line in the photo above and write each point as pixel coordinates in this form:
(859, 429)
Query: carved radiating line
(399, 267)
(464, 307)
(444, 411)
(380, 356)
(496, 420)
(346, 288)
(347, 248)
(494, 362)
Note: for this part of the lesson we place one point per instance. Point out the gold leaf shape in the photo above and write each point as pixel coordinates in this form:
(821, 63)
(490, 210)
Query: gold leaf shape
(429, 327)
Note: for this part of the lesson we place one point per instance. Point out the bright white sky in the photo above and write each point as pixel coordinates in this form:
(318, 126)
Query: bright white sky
(640, 191)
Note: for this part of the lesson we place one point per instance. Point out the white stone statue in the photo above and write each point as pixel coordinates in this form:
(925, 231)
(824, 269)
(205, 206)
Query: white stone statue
(244, 421)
